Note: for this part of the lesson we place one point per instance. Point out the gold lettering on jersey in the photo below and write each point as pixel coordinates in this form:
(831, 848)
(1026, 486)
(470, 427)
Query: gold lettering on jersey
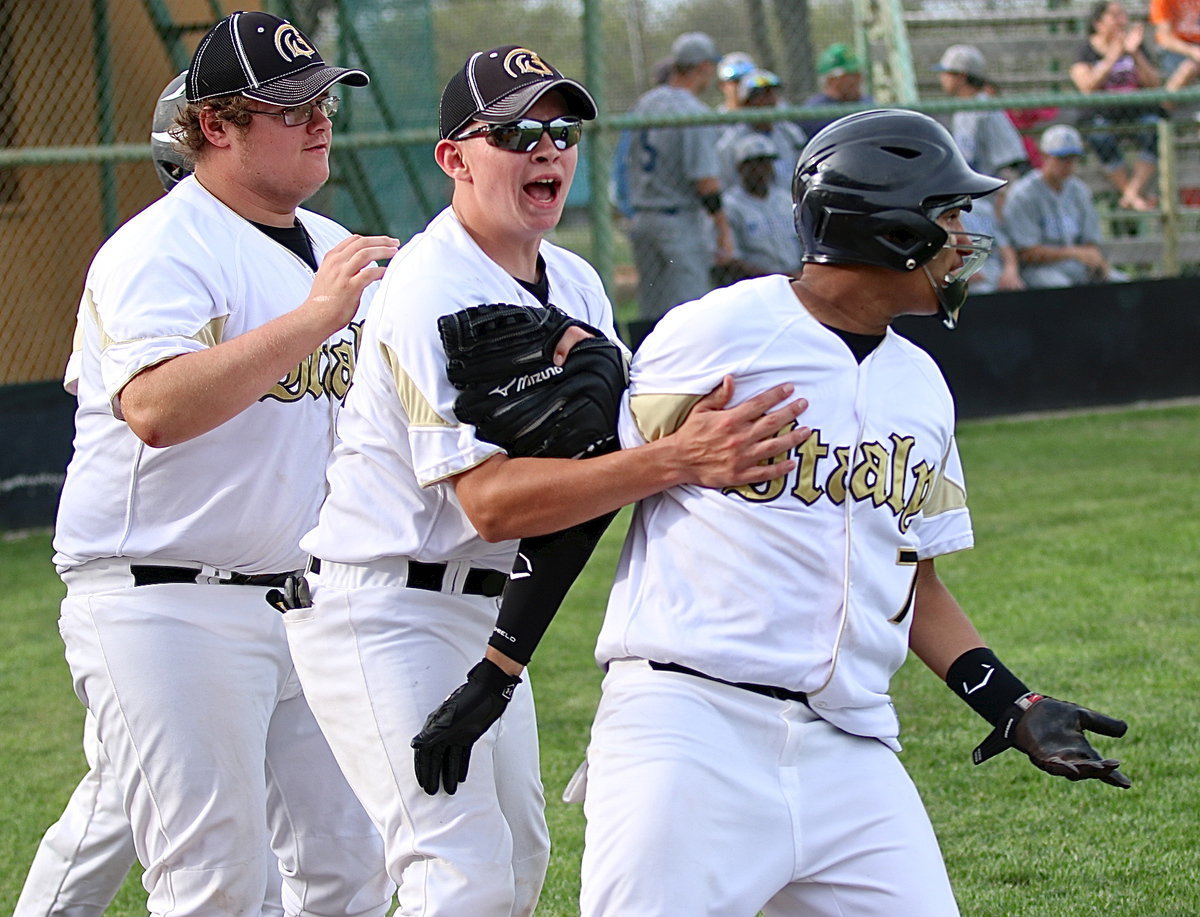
(291, 44)
(763, 491)
(872, 476)
(522, 60)
(324, 373)
(925, 477)
(901, 447)
(880, 473)
(808, 454)
(835, 485)
(339, 372)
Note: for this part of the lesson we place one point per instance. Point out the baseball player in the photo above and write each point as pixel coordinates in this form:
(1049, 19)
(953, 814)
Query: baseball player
(760, 89)
(988, 139)
(1052, 220)
(84, 857)
(218, 337)
(674, 187)
(407, 595)
(743, 753)
(730, 70)
(760, 211)
(841, 73)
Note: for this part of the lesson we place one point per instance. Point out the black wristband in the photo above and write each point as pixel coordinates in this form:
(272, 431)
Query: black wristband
(982, 680)
(711, 202)
(489, 675)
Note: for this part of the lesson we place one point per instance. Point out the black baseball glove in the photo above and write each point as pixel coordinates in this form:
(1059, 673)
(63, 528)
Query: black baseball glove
(1050, 732)
(443, 746)
(500, 358)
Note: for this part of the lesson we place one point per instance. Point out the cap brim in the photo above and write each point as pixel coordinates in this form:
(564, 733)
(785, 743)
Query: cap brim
(579, 102)
(305, 85)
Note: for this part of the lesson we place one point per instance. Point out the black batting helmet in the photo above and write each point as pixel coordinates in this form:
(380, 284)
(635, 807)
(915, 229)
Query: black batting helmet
(868, 188)
(170, 164)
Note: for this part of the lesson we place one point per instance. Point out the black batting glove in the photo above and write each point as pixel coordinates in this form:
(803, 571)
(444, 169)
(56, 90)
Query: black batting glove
(295, 594)
(1051, 733)
(443, 746)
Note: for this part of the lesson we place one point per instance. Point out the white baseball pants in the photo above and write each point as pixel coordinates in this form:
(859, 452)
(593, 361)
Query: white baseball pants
(376, 658)
(706, 799)
(201, 715)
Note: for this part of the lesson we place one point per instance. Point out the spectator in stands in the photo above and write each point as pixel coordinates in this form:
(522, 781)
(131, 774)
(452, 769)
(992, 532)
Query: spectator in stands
(1177, 33)
(1025, 120)
(759, 89)
(841, 73)
(1115, 59)
(759, 210)
(730, 70)
(1002, 269)
(1052, 221)
(988, 139)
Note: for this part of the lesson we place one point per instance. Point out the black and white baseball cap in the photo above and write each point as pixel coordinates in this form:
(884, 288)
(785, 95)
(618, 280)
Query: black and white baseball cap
(262, 57)
(503, 84)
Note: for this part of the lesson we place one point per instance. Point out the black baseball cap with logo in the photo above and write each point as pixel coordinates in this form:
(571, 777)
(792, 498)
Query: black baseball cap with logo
(262, 57)
(502, 85)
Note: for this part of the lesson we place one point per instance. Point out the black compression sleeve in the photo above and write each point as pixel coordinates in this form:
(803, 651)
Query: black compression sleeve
(545, 568)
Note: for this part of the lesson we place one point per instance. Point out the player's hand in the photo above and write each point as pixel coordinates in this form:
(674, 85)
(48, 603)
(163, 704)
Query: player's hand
(746, 444)
(1133, 38)
(1051, 733)
(569, 339)
(347, 269)
(443, 746)
(1094, 258)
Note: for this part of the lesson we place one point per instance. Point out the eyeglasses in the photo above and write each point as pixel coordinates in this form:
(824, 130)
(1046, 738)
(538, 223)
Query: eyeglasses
(523, 135)
(302, 114)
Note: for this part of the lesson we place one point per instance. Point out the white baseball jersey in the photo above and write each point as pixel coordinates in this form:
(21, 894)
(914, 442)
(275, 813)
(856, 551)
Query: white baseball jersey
(988, 139)
(199, 500)
(764, 231)
(399, 440)
(805, 582)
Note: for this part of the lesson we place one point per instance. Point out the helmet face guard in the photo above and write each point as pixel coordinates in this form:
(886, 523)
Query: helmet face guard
(952, 291)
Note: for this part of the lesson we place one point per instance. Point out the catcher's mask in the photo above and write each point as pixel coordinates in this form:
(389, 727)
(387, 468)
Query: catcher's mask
(868, 189)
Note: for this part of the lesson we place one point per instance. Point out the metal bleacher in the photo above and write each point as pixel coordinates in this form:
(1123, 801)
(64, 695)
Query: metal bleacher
(1030, 50)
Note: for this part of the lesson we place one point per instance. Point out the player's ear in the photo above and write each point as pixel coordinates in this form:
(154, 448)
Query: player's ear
(216, 129)
(449, 157)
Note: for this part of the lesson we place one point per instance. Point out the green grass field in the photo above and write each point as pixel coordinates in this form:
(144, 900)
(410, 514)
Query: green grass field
(1084, 578)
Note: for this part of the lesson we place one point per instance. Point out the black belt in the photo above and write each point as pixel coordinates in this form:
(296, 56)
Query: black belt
(669, 211)
(430, 577)
(153, 575)
(764, 690)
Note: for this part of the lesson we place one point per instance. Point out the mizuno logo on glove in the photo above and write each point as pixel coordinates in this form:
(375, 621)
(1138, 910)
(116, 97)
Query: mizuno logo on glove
(524, 382)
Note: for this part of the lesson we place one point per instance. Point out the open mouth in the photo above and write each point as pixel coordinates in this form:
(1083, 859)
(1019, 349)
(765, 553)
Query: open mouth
(544, 190)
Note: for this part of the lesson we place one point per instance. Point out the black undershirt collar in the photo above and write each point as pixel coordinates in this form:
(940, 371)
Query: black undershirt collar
(540, 287)
(294, 238)
(861, 345)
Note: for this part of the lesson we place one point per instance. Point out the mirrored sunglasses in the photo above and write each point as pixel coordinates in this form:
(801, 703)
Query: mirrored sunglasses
(523, 135)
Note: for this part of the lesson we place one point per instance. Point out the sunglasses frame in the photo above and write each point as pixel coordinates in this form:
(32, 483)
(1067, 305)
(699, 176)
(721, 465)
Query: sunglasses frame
(564, 125)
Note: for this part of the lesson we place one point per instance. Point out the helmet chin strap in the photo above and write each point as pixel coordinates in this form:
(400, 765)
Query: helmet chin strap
(951, 294)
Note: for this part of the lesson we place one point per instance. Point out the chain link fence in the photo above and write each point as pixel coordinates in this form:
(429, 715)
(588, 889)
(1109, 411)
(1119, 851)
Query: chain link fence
(79, 78)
